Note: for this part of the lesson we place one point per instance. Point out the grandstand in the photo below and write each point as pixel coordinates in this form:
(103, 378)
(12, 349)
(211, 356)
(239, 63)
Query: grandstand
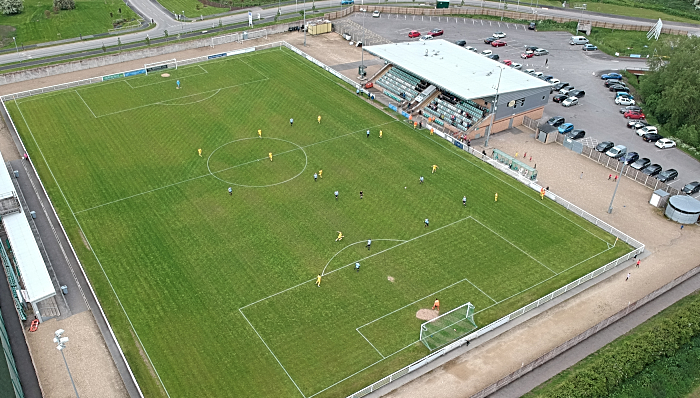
(439, 82)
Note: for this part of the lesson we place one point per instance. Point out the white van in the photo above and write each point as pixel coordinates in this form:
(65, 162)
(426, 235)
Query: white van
(578, 40)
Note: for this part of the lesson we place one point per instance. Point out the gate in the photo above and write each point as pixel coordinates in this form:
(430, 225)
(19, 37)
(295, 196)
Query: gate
(573, 145)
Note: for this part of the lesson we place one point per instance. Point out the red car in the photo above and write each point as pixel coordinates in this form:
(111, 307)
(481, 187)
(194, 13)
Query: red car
(435, 32)
(413, 33)
(634, 115)
(369, 85)
(498, 43)
(507, 62)
(528, 54)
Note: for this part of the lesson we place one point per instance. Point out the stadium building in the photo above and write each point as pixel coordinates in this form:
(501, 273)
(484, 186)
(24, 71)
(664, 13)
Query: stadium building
(466, 93)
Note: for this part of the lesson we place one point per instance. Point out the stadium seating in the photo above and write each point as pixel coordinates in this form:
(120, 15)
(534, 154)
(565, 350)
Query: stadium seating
(461, 114)
(400, 85)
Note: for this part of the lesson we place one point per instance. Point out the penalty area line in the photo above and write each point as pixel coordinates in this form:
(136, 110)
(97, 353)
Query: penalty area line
(370, 343)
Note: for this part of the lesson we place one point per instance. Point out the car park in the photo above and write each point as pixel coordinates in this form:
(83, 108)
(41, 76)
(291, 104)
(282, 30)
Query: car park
(426, 38)
(516, 65)
(559, 86)
(488, 40)
(634, 115)
(604, 146)
(589, 47)
(637, 124)
(494, 57)
(652, 169)
(472, 49)
(612, 75)
(486, 52)
(565, 128)
(624, 101)
(617, 151)
(646, 130)
(531, 26)
(576, 134)
(559, 98)
(375, 14)
(571, 101)
(507, 62)
(498, 43)
(541, 51)
(667, 175)
(527, 54)
(651, 137)
(691, 188)
(414, 33)
(436, 32)
(665, 143)
(499, 35)
(629, 158)
(577, 93)
(640, 164)
(461, 43)
(556, 121)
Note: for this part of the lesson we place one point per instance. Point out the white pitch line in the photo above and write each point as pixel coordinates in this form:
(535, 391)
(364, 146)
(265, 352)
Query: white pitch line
(190, 103)
(352, 244)
(273, 354)
(515, 246)
(370, 343)
(81, 97)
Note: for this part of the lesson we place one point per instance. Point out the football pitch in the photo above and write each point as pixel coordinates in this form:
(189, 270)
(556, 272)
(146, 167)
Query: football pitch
(212, 293)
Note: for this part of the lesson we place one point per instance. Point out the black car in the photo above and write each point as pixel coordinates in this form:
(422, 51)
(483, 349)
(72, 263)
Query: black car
(651, 137)
(547, 77)
(637, 124)
(630, 108)
(612, 82)
(559, 86)
(531, 48)
(556, 121)
(531, 26)
(577, 93)
(604, 146)
(629, 158)
(461, 43)
(652, 170)
(691, 188)
(559, 98)
(640, 163)
(494, 57)
(489, 40)
(667, 175)
(619, 88)
(576, 134)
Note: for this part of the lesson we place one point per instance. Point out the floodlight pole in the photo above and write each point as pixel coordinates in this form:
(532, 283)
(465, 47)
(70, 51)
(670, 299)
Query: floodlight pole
(494, 108)
(15, 40)
(61, 341)
(614, 192)
(304, 23)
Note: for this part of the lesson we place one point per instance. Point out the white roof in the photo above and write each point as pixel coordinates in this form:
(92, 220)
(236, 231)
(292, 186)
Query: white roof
(31, 265)
(462, 72)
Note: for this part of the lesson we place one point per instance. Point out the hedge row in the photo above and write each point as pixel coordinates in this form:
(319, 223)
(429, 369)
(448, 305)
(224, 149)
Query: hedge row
(616, 363)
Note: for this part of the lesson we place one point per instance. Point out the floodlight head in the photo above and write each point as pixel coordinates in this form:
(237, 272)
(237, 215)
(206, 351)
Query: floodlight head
(60, 347)
(59, 332)
(63, 340)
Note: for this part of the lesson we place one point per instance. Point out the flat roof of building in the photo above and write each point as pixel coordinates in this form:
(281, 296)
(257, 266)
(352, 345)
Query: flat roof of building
(32, 269)
(467, 74)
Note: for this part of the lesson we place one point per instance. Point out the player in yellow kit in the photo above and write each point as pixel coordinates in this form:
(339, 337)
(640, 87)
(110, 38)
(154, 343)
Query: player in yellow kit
(260, 133)
(270, 155)
(319, 119)
(380, 133)
(318, 281)
(340, 236)
(435, 167)
(200, 152)
(320, 173)
(495, 198)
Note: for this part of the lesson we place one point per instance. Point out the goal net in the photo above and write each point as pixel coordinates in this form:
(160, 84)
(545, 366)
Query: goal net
(448, 327)
(156, 66)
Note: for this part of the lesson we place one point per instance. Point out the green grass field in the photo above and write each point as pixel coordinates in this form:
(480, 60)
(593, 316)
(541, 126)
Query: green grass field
(216, 293)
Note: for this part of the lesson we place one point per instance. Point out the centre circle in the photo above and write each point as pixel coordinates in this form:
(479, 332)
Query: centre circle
(245, 162)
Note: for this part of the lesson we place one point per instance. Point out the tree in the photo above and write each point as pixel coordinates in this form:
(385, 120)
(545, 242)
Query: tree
(64, 4)
(8, 7)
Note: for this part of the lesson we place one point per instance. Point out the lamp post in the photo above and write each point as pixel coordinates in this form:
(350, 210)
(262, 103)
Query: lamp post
(182, 21)
(15, 40)
(61, 344)
(622, 170)
(494, 108)
(304, 23)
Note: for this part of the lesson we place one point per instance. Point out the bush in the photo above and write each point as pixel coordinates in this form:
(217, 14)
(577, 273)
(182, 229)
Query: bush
(64, 4)
(8, 7)
(47, 13)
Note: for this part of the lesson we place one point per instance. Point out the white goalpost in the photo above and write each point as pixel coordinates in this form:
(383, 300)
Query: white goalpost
(448, 327)
(156, 66)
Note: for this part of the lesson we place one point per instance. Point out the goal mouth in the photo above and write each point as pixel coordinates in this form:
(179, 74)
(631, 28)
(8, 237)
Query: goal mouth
(448, 327)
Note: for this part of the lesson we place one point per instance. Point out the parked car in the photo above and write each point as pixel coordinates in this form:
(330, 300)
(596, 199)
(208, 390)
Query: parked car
(436, 32)
(624, 101)
(651, 137)
(547, 78)
(566, 90)
(624, 94)
(630, 157)
(612, 75)
(560, 85)
(589, 47)
(516, 65)
(488, 40)
(345, 2)
(531, 48)
(611, 82)
(565, 128)
(461, 43)
(639, 164)
(577, 93)
(541, 51)
(531, 26)
(375, 14)
(559, 98)
(630, 108)
(691, 188)
(617, 151)
(498, 43)
(576, 134)
(634, 115)
(527, 54)
(619, 87)
(486, 52)
(507, 62)
(553, 81)
(571, 101)
(426, 38)
(637, 124)
(499, 35)
(556, 121)
(472, 49)
(604, 146)
(667, 175)
(529, 71)
(647, 130)
(413, 33)
(652, 169)
(665, 143)
(578, 40)
(494, 57)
